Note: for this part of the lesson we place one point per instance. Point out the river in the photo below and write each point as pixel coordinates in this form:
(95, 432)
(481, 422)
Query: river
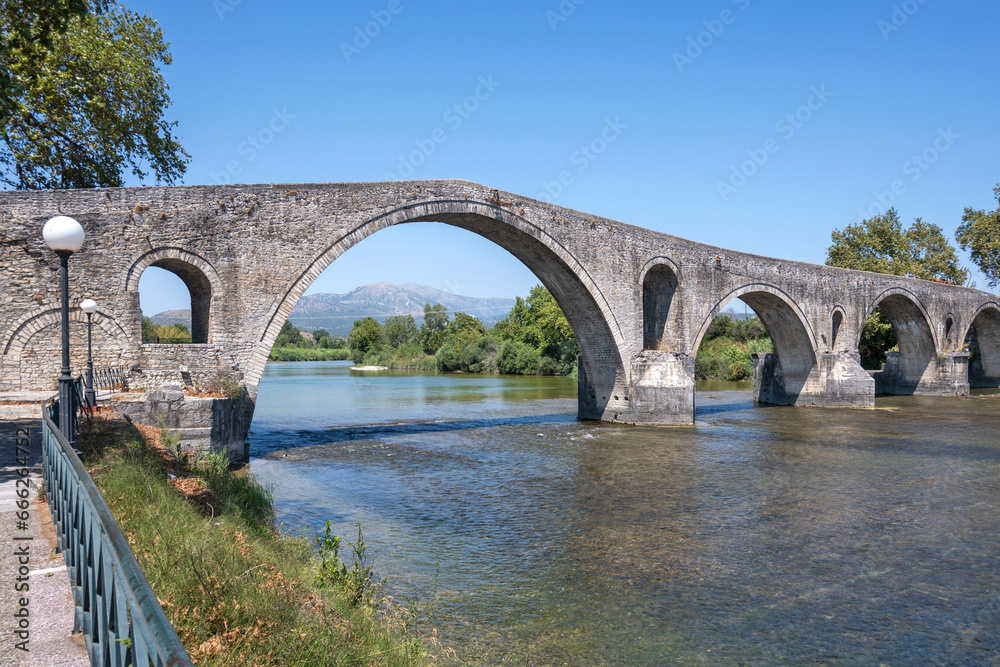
(761, 536)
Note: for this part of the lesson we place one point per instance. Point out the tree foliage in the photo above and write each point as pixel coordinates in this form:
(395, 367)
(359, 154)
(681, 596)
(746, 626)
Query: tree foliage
(539, 323)
(877, 338)
(979, 233)
(882, 245)
(432, 331)
(164, 333)
(289, 336)
(366, 336)
(726, 351)
(400, 330)
(534, 338)
(82, 96)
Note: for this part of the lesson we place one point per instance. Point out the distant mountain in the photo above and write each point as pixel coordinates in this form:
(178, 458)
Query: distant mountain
(336, 313)
(168, 317)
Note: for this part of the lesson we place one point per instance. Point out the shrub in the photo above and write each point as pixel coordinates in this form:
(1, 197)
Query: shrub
(446, 359)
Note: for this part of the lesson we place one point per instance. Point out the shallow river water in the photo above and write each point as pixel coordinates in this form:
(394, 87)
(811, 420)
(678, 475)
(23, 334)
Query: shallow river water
(760, 536)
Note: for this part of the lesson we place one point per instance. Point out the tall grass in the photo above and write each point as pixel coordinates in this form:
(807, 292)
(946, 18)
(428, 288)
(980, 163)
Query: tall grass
(237, 592)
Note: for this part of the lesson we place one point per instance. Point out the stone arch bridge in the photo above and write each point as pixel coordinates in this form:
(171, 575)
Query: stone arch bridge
(639, 301)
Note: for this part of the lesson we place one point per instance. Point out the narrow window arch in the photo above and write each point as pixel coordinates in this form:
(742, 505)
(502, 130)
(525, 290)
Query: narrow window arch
(838, 319)
(658, 289)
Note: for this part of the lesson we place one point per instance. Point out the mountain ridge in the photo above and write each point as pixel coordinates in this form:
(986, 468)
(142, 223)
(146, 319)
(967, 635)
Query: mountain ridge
(336, 313)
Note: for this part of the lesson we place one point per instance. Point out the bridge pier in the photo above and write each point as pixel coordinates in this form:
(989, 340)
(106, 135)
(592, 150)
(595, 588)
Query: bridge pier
(661, 390)
(943, 375)
(836, 381)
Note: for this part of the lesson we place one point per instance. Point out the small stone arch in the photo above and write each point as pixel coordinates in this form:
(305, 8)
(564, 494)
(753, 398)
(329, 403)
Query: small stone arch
(660, 279)
(983, 340)
(198, 275)
(33, 355)
(918, 345)
(793, 338)
(37, 320)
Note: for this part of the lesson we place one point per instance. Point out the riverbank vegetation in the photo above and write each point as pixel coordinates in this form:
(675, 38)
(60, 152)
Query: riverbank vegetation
(164, 333)
(236, 591)
(725, 352)
(534, 339)
(292, 345)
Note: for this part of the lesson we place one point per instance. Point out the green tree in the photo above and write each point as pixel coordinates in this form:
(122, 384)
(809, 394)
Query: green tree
(28, 28)
(366, 336)
(289, 336)
(400, 330)
(979, 233)
(538, 322)
(882, 245)
(83, 99)
(148, 330)
(432, 331)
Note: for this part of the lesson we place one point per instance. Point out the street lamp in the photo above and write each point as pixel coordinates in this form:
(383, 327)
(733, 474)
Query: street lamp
(89, 306)
(65, 236)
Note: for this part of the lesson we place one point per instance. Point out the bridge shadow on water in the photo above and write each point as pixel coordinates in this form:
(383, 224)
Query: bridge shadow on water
(270, 440)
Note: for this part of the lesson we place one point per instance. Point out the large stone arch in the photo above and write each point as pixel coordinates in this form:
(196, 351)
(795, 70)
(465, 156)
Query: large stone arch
(599, 335)
(983, 338)
(660, 280)
(792, 336)
(198, 275)
(904, 372)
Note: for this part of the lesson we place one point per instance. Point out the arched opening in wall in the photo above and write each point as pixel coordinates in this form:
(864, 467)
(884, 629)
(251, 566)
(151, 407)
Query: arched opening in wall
(658, 289)
(725, 351)
(877, 340)
(783, 375)
(983, 344)
(836, 321)
(514, 329)
(175, 298)
(37, 347)
(898, 334)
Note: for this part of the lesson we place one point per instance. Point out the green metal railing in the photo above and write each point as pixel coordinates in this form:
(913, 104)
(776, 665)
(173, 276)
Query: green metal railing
(110, 377)
(121, 620)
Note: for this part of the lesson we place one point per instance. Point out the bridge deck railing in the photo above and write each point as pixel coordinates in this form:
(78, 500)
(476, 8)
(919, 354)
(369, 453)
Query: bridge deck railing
(116, 610)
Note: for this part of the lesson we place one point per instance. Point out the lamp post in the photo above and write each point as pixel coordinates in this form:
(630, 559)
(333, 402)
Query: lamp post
(65, 236)
(89, 306)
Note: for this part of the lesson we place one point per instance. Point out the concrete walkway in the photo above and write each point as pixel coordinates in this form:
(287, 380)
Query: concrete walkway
(48, 634)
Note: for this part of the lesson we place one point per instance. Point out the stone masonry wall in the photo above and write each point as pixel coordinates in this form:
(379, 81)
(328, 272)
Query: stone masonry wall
(250, 251)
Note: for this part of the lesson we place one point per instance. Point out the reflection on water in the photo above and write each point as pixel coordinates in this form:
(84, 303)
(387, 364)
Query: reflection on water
(763, 536)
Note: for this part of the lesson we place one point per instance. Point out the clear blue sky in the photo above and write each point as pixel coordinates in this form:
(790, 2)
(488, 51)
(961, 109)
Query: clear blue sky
(834, 100)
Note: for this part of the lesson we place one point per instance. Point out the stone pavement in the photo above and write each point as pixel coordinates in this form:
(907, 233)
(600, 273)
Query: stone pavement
(48, 634)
